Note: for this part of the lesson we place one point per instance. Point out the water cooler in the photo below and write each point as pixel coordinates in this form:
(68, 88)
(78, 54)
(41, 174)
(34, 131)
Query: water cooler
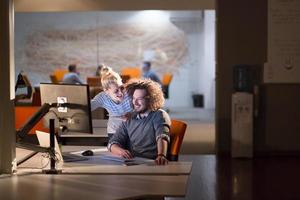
(242, 113)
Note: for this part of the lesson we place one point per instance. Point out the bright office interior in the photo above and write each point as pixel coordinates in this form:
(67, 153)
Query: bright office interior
(179, 42)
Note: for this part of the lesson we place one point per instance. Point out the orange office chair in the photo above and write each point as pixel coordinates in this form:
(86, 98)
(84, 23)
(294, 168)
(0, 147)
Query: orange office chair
(125, 78)
(58, 75)
(36, 97)
(95, 85)
(23, 114)
(53, 78)
(177, 132)
(166, 80)
(132, 72)
(94, 81)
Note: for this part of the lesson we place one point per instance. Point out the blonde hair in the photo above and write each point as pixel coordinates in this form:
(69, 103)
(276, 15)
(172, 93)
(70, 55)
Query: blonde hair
(105, 69)
(155, 95)
(108, 77)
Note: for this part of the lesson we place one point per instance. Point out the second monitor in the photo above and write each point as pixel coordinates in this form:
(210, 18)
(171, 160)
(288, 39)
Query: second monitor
(76, 116)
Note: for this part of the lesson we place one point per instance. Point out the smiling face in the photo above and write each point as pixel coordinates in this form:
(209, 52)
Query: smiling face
(139, 100)
(115, 92)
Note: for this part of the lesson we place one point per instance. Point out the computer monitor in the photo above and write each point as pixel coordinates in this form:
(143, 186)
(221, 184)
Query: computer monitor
(76, 116)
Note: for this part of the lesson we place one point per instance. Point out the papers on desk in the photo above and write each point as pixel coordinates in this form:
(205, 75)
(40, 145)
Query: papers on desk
(126, 161)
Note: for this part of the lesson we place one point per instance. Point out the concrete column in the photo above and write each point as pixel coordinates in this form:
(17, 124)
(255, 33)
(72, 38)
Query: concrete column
(7, 81)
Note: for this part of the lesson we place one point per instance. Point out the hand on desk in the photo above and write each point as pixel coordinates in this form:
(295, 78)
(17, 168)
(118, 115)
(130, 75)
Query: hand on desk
(161, 160)
(115, 149)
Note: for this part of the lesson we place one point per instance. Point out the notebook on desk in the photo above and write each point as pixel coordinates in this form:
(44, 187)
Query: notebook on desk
(44, 141)
(126, 161)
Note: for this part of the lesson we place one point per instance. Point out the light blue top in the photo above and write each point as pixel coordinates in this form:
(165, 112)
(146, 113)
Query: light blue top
(151, 75)
(72, 78)
(115, 110)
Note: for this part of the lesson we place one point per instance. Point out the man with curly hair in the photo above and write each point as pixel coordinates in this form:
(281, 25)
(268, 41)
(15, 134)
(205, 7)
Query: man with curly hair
(146, 133)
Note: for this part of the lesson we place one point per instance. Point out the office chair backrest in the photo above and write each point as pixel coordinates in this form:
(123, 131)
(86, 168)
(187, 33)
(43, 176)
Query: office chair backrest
(167, 78)
(36, 97)
(125, 78)
(132, 72)
(177, 132)
(23, 114)
(59, 74)
(94, 81)
(53, 78)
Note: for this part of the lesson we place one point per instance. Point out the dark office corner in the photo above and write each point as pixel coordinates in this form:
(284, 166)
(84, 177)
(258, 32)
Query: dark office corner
(278, 125)
(240, 40)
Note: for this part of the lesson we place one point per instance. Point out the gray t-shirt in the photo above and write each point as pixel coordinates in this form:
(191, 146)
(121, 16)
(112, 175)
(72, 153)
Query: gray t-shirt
(140, 136)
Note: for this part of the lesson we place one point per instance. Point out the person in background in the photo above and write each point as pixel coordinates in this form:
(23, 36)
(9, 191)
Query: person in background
(146, 132)
(98, 71)
(148, 73)
(73, 76)
(113, 98)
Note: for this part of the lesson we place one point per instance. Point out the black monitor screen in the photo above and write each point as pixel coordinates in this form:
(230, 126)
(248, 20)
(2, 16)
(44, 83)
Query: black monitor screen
(73, 118)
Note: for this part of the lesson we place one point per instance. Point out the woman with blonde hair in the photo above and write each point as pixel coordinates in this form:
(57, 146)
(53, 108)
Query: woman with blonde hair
(113, 98)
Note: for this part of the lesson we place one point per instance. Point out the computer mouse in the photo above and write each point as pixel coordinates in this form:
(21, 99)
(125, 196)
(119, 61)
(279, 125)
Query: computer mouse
(87, 153)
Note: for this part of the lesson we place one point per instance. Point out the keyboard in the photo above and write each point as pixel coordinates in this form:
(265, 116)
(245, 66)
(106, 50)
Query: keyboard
(68, 157)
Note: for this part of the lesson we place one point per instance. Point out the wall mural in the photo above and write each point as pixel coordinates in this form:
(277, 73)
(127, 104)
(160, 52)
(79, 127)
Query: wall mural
(118, 45)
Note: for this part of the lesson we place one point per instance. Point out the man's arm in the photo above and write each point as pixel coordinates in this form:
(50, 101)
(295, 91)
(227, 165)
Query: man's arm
(155, 78)
(162, 148)
(117, 150)
(162, 128)
(118, 141)
(77, 79)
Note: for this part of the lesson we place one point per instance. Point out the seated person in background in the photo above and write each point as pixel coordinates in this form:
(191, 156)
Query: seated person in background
(98, 71)
(148, 73)
(146, 132)
(73, 76)
(113, 98)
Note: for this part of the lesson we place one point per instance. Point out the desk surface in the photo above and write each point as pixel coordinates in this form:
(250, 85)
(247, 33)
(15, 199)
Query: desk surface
(83, 180)
(96, 165)
(92, 187)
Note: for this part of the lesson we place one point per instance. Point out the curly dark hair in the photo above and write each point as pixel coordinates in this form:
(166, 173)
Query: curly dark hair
(153, 89)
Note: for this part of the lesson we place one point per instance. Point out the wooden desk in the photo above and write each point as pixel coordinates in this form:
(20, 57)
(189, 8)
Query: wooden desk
(81, 180)
(96, 165)
(91, 187)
